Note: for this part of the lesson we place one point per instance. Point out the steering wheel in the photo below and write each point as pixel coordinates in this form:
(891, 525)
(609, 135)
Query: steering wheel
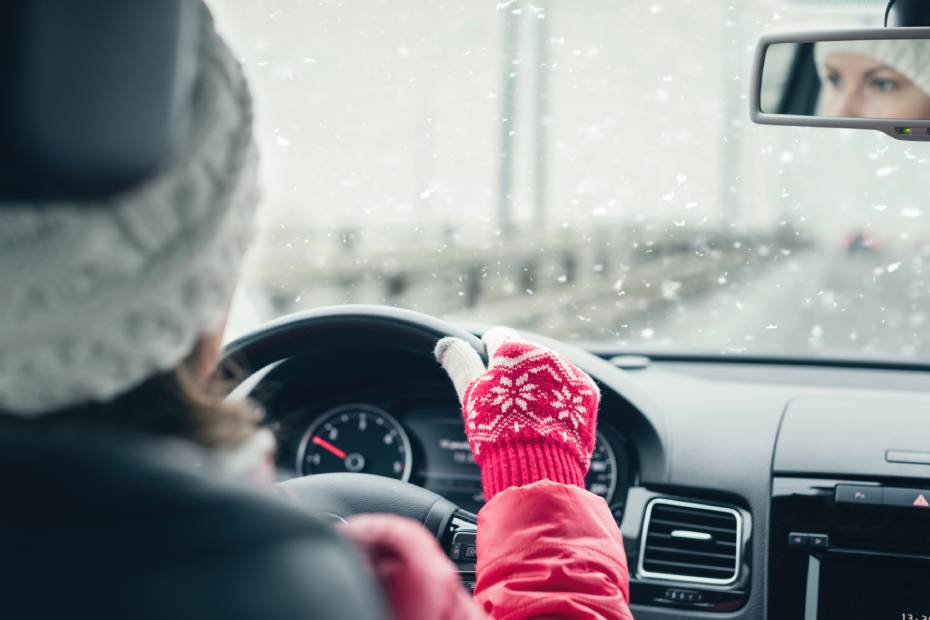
(336, 496)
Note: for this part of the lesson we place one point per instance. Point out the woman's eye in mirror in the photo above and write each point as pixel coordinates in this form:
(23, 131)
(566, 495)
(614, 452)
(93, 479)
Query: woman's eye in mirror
(884, 85)
(835, 79)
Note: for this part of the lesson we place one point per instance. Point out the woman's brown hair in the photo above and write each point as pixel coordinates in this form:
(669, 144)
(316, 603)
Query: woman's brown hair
(176, 403)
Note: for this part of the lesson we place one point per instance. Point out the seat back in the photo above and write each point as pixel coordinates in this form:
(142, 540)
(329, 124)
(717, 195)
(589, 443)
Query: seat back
(118, 526)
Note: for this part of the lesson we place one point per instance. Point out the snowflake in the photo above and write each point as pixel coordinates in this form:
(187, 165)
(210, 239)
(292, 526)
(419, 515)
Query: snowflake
(508, 393)
(571, 407)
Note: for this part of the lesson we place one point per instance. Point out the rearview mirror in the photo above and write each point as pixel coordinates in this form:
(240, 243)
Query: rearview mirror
(863, 79)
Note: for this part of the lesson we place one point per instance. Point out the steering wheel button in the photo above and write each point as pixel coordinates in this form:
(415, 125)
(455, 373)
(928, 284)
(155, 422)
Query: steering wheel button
(471, 552)
(455, 551)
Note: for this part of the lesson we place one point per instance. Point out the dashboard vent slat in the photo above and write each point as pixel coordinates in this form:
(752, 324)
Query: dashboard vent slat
(684, 524)
(685, 541)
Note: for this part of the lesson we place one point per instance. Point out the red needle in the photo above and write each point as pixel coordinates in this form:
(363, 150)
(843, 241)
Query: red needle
(328, 446)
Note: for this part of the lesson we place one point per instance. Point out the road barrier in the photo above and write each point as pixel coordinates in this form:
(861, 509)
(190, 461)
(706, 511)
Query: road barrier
(581, 281)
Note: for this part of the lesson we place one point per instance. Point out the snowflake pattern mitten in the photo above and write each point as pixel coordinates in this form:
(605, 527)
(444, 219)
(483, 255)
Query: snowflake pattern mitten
(531, 415)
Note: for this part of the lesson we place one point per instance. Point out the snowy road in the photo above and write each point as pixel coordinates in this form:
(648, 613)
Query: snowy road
(867, 304)
(809, 302)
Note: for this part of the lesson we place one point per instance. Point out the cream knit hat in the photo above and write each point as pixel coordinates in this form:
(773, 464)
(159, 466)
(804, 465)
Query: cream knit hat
(96, 298)
(909, 57)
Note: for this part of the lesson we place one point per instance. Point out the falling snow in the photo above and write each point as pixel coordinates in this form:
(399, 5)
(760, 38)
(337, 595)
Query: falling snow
(642, 205)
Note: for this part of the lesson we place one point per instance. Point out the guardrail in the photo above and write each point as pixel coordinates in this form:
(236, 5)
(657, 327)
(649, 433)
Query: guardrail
(568, 280)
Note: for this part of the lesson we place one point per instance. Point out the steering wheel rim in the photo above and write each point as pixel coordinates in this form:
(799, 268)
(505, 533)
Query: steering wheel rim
(345, 494)
(341, 495)
(347, 325)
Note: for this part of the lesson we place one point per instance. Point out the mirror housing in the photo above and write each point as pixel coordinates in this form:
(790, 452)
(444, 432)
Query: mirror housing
(797, 102)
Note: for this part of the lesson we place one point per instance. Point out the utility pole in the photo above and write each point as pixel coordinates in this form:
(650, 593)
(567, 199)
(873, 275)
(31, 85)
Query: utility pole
(511, 31)
(733, 122)
(541, 124)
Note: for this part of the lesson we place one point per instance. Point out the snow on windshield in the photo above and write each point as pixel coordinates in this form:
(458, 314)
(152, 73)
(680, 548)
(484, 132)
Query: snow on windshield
(584, 170)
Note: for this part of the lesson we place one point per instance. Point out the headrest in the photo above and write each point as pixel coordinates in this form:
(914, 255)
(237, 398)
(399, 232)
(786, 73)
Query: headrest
(94, 99)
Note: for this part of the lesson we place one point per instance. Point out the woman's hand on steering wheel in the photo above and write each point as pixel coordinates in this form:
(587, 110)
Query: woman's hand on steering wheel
(530, 415)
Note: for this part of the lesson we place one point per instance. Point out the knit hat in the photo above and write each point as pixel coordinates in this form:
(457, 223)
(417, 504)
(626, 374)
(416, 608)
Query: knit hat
(97, 298)
(909, 57)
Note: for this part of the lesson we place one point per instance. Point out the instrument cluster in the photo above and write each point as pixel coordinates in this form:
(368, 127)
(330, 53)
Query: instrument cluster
(426, 445)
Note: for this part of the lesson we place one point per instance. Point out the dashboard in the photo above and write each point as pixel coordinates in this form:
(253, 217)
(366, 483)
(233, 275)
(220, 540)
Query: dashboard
(426, 445)
(730, 480)
(413, 434)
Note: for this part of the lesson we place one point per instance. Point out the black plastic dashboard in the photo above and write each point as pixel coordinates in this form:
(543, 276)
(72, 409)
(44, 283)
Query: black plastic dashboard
(701, 432)
(724, 424)
(403, 421)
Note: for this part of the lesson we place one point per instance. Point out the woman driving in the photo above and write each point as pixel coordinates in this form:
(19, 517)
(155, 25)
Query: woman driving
(111, 321)
(874, 79)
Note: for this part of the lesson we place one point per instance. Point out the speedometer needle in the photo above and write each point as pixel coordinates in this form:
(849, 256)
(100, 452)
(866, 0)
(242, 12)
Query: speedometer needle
(328, 446)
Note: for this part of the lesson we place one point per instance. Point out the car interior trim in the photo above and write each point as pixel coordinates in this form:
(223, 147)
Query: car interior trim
(642, 572)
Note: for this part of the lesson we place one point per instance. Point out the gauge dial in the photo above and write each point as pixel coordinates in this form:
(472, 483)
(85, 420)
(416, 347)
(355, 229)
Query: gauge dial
(602, 476)
(357, 439)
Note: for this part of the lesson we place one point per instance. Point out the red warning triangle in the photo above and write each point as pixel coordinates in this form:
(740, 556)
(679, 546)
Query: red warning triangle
(921, 501)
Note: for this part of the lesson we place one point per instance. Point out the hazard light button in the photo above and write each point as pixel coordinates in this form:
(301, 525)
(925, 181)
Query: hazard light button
(908, 498)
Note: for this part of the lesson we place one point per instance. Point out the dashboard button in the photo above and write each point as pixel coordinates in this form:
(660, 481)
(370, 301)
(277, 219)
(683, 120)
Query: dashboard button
(798, 540)
(858, 494)
(818, 541)
(907, 498)
(684, 596)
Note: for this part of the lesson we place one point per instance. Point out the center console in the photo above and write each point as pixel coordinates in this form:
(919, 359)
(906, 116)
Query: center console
(850, 512)
(849, 549)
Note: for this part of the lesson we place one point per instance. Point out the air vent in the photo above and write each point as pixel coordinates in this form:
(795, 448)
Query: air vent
(683, 541)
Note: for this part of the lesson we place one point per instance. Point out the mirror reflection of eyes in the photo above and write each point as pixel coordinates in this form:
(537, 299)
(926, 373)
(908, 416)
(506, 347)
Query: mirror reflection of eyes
(885, 84)
(835, 78)
(882, 79)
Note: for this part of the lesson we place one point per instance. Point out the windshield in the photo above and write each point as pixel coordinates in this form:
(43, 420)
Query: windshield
(585, 170)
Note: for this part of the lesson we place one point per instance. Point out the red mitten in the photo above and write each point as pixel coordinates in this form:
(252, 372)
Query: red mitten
(417, 577)
(531, 415)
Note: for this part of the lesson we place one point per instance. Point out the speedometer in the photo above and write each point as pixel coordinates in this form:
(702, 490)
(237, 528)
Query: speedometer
(357, 439)
(602, 475)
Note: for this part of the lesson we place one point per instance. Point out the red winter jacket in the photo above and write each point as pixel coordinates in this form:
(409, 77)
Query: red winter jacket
(545, 550)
